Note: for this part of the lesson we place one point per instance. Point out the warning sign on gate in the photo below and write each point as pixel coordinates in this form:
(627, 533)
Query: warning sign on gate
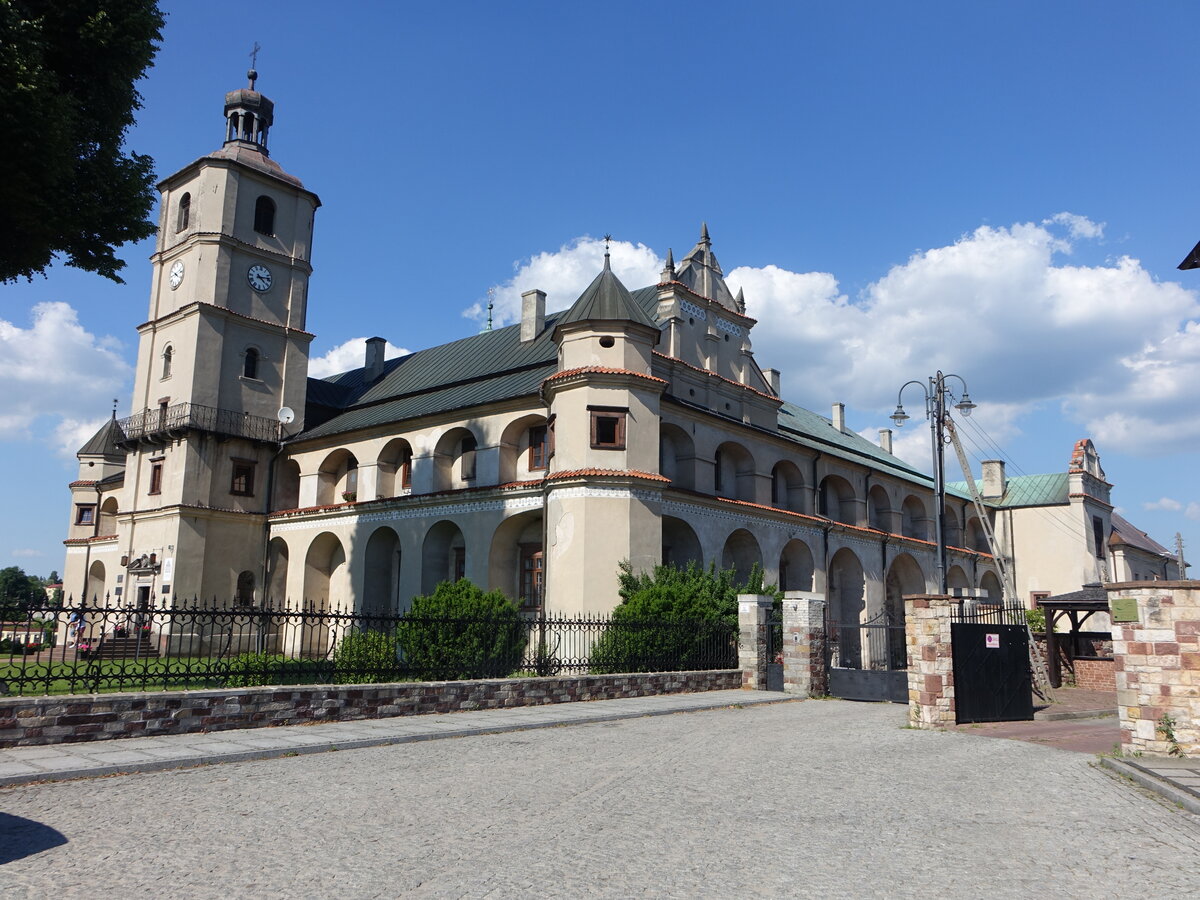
(993, 640)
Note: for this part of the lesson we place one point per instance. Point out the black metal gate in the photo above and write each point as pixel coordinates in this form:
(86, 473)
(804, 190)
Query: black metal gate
(868, 660)
(992, 679)
(775, 649)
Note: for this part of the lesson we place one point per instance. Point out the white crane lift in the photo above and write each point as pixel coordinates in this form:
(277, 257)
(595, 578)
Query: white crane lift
(1041, 679)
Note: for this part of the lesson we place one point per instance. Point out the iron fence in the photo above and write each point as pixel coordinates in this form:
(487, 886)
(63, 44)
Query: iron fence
(197, 417)
(875, 645)
(968, 611)
(104, 648)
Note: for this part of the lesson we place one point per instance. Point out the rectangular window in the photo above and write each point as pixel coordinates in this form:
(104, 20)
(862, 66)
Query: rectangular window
(531, 576)
(243, 478)
(1098, 536)
(85, 514)
(155, 478)
(458, 563)
(539, 447)
(406, 473)
(608, 428)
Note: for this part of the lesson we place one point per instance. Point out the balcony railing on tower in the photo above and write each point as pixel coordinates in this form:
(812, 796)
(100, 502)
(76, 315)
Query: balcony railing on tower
(170, 421)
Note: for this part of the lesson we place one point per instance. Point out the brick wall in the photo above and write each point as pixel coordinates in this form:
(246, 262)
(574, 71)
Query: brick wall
(1095, 674)
(1157, 663)
(26, 721)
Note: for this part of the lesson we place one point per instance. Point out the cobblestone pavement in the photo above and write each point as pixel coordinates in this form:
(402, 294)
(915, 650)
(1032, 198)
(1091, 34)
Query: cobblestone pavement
(813, 799)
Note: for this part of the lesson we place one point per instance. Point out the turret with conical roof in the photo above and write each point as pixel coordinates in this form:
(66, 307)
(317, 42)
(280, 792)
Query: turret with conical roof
(605, 326)
(604, 406)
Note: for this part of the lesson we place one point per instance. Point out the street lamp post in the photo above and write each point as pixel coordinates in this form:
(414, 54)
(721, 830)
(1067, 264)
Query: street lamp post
(936, 393)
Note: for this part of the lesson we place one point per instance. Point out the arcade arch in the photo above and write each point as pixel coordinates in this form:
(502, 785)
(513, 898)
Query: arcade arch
(733, 472)
(515, 561)
(454, 459)
(677, 456)
(337, 480)
(837, 500)
(741, 553)
(381, 573)
(443, 555)
(395, 468)
(680, 545)
(787, 487)
(796, 567)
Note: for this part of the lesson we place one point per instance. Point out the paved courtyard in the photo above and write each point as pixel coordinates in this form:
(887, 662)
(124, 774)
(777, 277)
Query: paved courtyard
(812, 799)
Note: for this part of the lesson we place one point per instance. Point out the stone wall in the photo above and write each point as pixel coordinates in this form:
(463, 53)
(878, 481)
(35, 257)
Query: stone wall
(804, 668)
(930, 660)
(1157, 659)
(753, 632)
(26, 721)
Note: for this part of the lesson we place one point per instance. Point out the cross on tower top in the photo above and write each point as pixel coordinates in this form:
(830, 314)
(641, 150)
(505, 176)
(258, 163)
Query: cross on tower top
(252, 74)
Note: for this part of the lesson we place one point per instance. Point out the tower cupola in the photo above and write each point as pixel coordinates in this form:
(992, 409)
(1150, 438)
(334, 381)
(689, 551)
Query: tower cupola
(248, 116)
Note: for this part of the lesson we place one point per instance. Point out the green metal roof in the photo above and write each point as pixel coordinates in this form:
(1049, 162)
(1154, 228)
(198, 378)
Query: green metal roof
(104, 441)
(477, 370)
(496, 365)
(1028, 490)
(606, 299)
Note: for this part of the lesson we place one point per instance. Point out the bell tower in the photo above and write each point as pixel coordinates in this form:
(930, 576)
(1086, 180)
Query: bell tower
(222, 358)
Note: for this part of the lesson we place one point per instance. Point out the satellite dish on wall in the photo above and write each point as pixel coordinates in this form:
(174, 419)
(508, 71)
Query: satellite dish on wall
(285, 415)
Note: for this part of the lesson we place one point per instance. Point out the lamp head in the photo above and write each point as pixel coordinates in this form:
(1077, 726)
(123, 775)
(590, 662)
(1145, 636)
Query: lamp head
(965, 405)
(900, 416)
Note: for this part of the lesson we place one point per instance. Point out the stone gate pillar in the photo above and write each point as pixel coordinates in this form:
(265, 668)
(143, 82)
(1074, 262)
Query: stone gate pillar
(753, 613)
(804, 670)
(1156, 651)
(930, 660)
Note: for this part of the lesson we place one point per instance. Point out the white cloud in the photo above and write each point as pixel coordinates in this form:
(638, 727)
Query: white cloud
(346, 356)
(1193, 512)
(564, 274)
(1078, 226)
(26, 553)
(1164, 503)
(59, 370)
(1151, 402)
(1109, 343)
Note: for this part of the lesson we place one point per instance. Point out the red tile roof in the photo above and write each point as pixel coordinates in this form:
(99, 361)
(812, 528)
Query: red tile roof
(609, 473)
(602, 370)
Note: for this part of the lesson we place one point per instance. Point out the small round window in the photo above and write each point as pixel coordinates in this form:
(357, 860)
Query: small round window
(607, 341)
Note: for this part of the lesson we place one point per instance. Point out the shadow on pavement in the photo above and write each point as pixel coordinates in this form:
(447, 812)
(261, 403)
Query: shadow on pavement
(20, 837)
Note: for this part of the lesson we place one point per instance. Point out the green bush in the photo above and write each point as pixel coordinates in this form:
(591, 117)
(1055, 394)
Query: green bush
(366, 657)
(674, 619)
(1036, 619)
(254, 669)
(460, 632)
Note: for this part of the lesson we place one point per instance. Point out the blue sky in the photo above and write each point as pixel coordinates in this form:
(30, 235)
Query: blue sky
(1001, 190)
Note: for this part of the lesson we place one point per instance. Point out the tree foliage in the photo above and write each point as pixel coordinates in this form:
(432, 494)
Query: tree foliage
(67, 97)
(674, 619)
(18, 592)
(460, 632)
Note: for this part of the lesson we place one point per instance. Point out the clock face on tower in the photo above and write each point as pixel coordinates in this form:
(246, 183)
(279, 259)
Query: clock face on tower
(176, 274)
(259, 278)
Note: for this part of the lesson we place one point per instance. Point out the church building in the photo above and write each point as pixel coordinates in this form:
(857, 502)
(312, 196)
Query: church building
(635, 425)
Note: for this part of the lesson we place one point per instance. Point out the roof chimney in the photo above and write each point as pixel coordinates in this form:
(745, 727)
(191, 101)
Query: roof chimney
(374, 360)
(994, 483)
(839, 416)
(533, 314)
(885, 440)
(773, 380)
